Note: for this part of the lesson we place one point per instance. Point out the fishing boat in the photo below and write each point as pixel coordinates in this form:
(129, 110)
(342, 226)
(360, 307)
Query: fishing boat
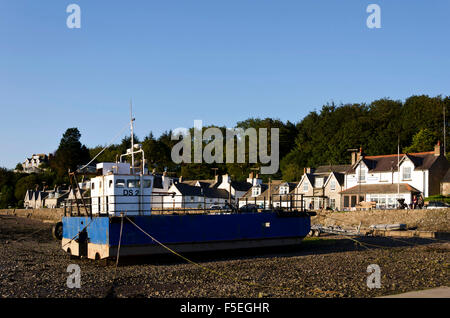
(119, 217)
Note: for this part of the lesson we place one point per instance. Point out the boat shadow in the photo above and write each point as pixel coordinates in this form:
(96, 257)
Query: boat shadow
(310, 246)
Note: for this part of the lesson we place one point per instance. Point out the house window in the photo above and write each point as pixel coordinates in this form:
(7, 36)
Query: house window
(362, 175)
(407, 173)
(305, 186)
(319, 182)
(110, 183)
(333, 185)
(346, 201)
(284, 190)
(332, 203)
(353, 201)
(256, 191)
(92, 185)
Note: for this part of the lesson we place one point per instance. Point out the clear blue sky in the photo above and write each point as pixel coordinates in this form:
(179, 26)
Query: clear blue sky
(221, 61)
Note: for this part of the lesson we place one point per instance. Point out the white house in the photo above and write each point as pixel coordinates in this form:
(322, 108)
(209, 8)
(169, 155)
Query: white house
(386, 178)
(33, 164)
(161, 186)
(186, 196)
(238, 188)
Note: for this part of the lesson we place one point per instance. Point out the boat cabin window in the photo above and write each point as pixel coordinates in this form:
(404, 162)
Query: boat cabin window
(133, 183)
(92, 185)
(147, 183)
(110, 183)
(120, 183)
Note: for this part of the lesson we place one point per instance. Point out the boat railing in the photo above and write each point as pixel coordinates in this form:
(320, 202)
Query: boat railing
(171, 203)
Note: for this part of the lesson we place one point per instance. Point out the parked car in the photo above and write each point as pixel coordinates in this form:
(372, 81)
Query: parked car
(249, 208)
(437, 205)
(215, 207)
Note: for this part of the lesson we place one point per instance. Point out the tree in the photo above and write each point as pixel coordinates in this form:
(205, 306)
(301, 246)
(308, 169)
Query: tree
(70, 153)
(19, 167)
(7, 197)
(424, 140)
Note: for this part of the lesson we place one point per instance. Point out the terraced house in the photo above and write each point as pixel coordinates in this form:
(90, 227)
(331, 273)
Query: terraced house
(380, 179)
(320, 188)
(277, 194)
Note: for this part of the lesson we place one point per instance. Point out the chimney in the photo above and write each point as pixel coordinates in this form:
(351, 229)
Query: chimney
(309, 170)
(257, 180)
(359, 154)
(438, 149)
(354, 156)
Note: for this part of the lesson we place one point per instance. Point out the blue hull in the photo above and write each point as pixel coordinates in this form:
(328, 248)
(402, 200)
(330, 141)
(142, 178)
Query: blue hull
(192, 232)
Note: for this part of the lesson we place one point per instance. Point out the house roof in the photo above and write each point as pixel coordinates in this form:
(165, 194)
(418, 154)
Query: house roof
(340, 177)
(381, 188)
(191, 190)
(383, 163)
(203, 183)
(333, 168)
(241, 185)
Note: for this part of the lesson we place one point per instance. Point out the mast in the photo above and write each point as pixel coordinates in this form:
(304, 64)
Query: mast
(444, 132)
(132, 137)
(398, 168)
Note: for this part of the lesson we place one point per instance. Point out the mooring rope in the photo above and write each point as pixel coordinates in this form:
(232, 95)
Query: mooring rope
(118, 248)
(251, 284)
(107, 146)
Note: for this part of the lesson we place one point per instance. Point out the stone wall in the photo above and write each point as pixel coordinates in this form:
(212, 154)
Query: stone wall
(41, 214)
(425, 220)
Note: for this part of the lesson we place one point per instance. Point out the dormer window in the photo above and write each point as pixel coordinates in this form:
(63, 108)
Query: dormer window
(319, 182)
(256, 191)
(407, 173)
(362, 175)
(284, 190)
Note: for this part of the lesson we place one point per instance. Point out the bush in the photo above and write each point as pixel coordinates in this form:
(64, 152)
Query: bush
(439, 198)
